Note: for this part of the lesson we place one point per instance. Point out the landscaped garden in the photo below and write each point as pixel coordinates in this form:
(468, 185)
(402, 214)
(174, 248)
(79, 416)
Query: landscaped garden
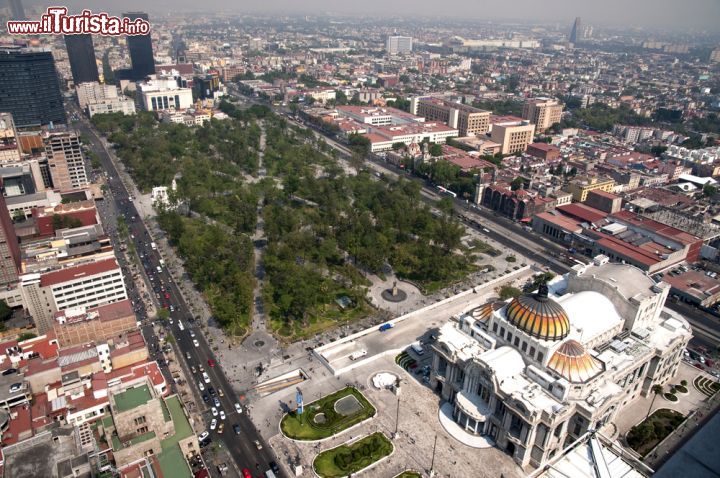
(706, 385)
(328, 416)
(347, 459)
(644, 437)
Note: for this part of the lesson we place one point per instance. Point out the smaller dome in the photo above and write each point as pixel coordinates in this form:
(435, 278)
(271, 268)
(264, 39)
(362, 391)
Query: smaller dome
(484, 312)
(574, 363)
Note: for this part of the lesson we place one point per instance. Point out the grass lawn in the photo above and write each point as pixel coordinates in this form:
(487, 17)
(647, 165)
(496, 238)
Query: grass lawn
(645, 436)
(309, 426)
(347, 459)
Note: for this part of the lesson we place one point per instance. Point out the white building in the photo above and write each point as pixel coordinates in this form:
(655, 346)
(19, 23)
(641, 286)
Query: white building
(97, 98)
(164, 94)
(534, 374)
(399, 45)
(382, 138)
(87, 285)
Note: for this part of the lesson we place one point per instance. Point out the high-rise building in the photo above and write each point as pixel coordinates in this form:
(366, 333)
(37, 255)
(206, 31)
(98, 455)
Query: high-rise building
(575, 33)
(468, 120)
(9, 151)
(399, 45)
(9, 247)
(82, 58)
(65, 159)
(141, 52)
(542, 112)
(17, 12)
(514, 134)
(29, 87)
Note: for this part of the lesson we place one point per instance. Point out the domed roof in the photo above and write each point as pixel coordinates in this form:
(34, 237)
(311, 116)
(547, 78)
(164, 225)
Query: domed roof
(539, 316)
(484, 312)
(573, 362)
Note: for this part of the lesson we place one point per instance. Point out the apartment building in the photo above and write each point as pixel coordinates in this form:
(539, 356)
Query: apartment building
(542, 112)
(581, 186)
(513, 134)
(99, 324)
(469, 121)
(397, 45)
(65, 161)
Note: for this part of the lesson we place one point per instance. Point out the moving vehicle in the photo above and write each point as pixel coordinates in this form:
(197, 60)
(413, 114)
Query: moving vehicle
(211, 362)
(386, 326)
(238, 408)
(257, 444)
(196, 343)
(153, 246)
(274, 467)
(246, 473)
(205, 377)
(446, 192)
(236, 429)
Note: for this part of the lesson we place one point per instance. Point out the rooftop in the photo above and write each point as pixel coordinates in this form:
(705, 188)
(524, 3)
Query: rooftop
(132, 398)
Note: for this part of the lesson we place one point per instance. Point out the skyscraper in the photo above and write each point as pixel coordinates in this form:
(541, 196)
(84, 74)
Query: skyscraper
(9, 247)
(29, 87)
(575, 33)
(17, 12)
(82, 58)
(141, 52)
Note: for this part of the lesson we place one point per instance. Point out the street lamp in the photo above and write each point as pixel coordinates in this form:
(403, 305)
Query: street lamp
(432, 461)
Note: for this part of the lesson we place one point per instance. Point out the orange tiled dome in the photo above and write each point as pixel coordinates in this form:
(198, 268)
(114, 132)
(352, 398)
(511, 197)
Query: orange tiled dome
(539, 316)
(484, 312)
(574, 363)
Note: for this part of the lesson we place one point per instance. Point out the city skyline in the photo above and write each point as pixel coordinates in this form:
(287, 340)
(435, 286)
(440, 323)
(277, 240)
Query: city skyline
(697, 14)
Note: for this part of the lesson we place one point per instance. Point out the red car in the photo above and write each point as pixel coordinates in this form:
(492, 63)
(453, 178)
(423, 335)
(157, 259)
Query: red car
(211, 362)
(167, 295)
(246, 473)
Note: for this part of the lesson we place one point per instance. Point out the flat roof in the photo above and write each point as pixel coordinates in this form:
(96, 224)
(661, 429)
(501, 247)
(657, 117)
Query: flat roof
(583, 212)
(73, 273)
(132, 398)
(655, 226)
(560, 221)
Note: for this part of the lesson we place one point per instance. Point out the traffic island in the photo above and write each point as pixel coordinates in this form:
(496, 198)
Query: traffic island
(328, 416)
(346, 460)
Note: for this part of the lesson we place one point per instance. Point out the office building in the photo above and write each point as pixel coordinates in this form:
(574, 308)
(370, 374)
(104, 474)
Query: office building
(397, 45)
(533, 374)
(513, 134)
(469, 121)
(65, 160)
(542, 112)
(382, 138)
(96, 98)
(29, 87)
(141, 52)
(581, 186)
(17, 12)
(9, 150)
(575, 33)
(9, 248)
(87, 285)
(164, 94)
(81, 54)
(99, 324)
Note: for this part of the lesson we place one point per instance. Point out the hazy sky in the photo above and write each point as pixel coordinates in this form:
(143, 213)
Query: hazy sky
(676, 14)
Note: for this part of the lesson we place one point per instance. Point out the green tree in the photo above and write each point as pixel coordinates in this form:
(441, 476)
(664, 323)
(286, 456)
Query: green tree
(508, 292)
(5, 311)
(436, 150)
(26, 336)
(656, 390)
(709, 190)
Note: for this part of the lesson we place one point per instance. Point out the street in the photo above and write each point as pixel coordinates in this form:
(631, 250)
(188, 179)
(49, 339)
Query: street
(190, 341)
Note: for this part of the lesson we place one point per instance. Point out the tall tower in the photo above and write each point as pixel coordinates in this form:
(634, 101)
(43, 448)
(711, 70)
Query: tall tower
(575, 33)
(141, 52)
(9, 247)
(81, 54)
(29, 87)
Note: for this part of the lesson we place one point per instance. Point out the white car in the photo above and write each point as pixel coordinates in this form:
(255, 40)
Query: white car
(238, 408)
(214, 411)
(180, 325)
(201, 386)
(213, 424)
(205, 377)
(222, 414)
(192, 334)
(203, 436)
(196, 343)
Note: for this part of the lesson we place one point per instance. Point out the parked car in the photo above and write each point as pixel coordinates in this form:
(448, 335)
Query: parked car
(213, 424)
(201, 386)
(203, 436)
(222, 414)
(214, 411)
(216, 401)
(211, 362)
